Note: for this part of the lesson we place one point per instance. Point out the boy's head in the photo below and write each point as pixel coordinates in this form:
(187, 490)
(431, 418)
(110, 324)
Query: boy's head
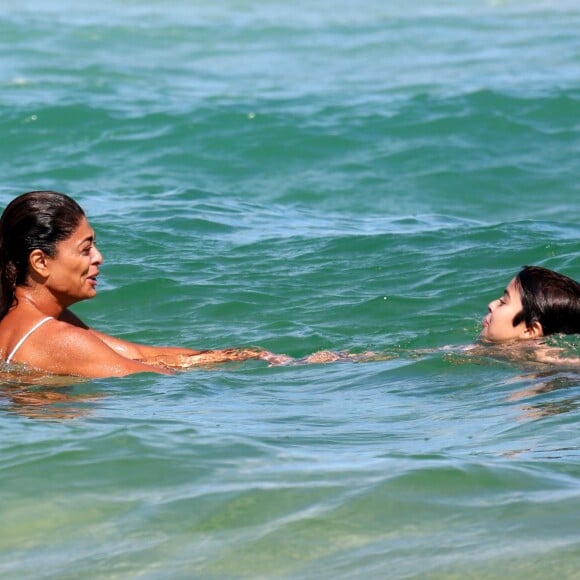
(537, 302)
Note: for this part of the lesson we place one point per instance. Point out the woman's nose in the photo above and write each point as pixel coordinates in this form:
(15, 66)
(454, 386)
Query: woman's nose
(492, 305)
(97, 256)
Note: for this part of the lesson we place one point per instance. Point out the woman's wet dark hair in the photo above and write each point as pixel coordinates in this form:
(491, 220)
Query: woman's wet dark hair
(37, 220)
(549, 298)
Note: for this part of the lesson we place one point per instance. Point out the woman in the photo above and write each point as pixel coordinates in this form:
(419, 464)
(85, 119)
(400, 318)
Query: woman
(49, 261)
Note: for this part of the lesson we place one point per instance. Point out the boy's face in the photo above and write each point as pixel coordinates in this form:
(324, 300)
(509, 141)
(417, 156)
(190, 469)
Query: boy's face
(498, 324)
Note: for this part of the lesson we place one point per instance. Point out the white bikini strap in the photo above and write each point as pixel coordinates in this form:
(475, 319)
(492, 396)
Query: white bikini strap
(21, 341)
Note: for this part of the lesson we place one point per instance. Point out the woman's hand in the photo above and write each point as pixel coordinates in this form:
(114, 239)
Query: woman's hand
(211, 357)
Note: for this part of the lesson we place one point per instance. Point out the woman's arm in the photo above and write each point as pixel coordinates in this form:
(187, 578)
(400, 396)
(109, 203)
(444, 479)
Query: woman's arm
(65, 349)
(173, 356)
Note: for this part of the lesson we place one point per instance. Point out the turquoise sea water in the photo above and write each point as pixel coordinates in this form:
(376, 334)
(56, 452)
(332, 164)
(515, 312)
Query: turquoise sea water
(300, 176)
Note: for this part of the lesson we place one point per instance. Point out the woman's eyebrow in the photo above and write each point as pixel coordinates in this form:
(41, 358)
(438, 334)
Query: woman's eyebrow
(90, 239)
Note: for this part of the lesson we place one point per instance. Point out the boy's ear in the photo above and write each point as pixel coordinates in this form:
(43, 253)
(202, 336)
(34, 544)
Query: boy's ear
(38, 262)
(534, 331)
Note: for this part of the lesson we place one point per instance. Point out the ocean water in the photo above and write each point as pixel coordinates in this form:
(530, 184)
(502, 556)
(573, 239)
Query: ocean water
(300, 176)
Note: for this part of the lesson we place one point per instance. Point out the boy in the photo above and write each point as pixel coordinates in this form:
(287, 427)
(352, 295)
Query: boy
(536, 303)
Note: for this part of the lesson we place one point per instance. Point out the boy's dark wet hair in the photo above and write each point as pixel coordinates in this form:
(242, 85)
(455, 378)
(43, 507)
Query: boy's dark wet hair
(549, 298)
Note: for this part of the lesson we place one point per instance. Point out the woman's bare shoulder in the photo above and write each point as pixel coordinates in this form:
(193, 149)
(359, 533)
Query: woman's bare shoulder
(63, 348)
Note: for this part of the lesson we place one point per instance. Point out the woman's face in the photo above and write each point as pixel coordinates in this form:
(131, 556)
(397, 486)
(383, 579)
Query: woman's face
(498, 324)
(75, 267)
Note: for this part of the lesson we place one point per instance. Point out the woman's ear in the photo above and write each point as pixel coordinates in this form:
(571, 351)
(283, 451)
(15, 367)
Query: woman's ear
(534, 331)
(38, 262)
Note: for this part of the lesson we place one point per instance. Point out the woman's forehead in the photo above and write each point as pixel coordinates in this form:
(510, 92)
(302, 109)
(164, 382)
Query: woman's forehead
(82, 231)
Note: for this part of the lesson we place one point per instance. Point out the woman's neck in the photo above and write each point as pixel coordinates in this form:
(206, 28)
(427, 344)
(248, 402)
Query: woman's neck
(38, 300)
